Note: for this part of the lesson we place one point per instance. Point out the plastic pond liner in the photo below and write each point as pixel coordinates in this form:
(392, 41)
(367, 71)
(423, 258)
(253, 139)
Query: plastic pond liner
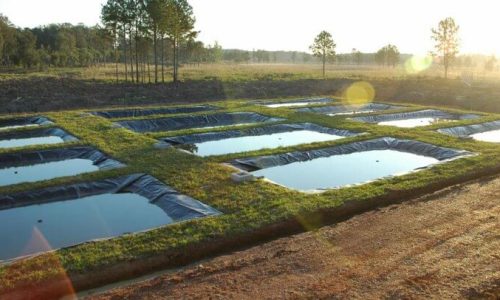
(350, 109)
(130, 113)
(295, 102)
(234, 141)
(48, 164)
(199, 121)
(63, 216)
(354, 163)
(486, 132)
(35, 137)
(7, 124)
(415, 118)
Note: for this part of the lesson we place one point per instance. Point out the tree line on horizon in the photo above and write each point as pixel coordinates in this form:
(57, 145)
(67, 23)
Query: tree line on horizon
(138, 34)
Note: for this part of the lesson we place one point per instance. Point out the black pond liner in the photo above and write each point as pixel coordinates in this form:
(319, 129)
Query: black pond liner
(192, 122)
(341, 109)
(177, 207)
(466, 131)
(130, 113)
(43, 132)
(290, 101)
(272, 129)
(24, 122)
(387, 143)
(99, 159)
(428, 113)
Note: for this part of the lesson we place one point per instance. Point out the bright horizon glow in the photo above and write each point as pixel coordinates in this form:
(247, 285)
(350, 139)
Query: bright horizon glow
(291, 25)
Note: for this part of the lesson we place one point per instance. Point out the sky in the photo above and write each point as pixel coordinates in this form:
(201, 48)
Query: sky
(291, 25)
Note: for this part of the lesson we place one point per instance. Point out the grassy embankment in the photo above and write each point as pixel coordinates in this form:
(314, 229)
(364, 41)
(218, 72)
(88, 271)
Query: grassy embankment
(247, 207)
(76, 88)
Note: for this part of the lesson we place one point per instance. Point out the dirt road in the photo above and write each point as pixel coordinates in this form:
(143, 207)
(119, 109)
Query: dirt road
(445, 245)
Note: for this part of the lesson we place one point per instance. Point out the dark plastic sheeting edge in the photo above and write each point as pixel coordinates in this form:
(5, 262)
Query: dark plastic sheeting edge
(99, 159)
(177, 206)
(279, 128)
(199, 121)
(65, 136)
(338, 109)
(25, 121)
(129, 113)
(411, 146)
(428, 113)
(465, 131)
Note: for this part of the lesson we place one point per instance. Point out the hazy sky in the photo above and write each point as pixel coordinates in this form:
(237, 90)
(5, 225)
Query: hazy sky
(292, 24)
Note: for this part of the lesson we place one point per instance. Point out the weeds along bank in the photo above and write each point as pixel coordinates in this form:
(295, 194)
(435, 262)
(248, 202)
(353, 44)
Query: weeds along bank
(250, 212)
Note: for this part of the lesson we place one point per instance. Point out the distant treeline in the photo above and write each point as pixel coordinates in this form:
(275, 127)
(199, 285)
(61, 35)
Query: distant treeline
(66, 45)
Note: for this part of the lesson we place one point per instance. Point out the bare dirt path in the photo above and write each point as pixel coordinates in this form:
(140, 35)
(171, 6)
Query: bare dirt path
(445, 245)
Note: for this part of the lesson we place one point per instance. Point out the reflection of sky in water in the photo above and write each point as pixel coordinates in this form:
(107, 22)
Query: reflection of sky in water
(409, 123)
(488, 136)
(44, 171)
(292, 104)
(352, 112)
(339, 170)
(18, 126)
(30, 141)
(250, 143)
(71, 222)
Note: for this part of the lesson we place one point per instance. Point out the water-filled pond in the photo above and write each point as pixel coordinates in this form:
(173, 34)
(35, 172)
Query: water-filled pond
(27, 122)
(61, 216)
(23, 142)
(37, 228)
(340, 170)
(415, 118)
(251, 143)
(492, 136)
(45, 171)
(350, 109)
(5, 128)
(411, 123)
(291, 104)
(34, 137)
(196, 122)
(297, 102)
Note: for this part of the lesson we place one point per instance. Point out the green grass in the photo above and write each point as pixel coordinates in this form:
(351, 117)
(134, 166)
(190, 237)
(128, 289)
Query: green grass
(247, 72)
(245, 206)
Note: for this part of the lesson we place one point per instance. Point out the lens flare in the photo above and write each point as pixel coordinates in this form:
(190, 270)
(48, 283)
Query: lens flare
(359, 93)
(417, 64)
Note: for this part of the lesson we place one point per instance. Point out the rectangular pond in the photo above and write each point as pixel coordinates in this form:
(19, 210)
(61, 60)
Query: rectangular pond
(354, 163)
(58, 217)
(486, 132)
(15, 123)
(350, 109)
(415, 118)
(235, 141)
(34, 137)
(296, 102)
(48, 164)
(196, 122)
(130, 113)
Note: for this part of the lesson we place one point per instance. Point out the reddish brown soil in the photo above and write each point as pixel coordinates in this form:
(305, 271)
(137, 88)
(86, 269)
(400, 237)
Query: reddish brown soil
(445, 245)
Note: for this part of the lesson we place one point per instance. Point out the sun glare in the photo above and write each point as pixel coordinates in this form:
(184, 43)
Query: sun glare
(418, 63)
(359, 92)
